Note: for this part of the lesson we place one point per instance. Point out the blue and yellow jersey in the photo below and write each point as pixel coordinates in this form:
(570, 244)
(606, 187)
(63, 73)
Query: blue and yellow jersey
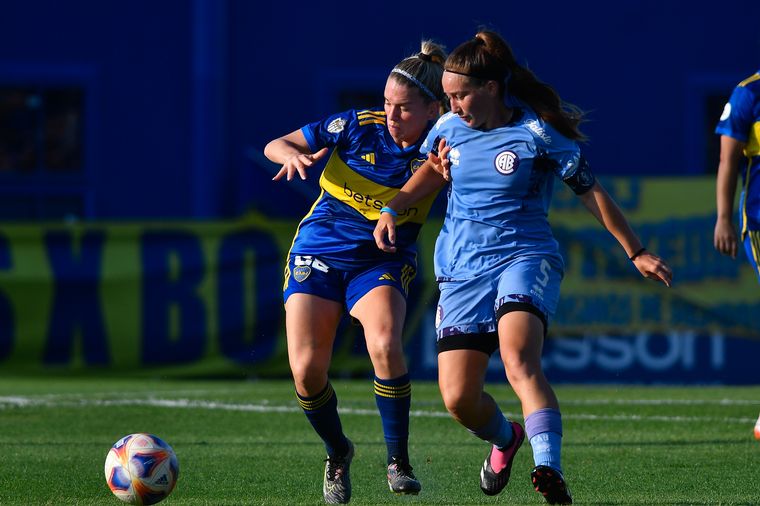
(365, 170)
(741, 120)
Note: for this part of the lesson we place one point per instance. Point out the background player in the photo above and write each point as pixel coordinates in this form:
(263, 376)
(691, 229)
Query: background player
(739, 130)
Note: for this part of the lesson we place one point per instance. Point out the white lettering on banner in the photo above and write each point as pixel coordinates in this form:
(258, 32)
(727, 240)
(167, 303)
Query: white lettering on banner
(618, 353)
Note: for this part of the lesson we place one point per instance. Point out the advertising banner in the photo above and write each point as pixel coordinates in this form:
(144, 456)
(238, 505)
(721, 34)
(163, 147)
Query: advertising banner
(188, 299)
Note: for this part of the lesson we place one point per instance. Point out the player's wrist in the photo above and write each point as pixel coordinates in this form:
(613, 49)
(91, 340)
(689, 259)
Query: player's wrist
(388, 210)
(637, 254)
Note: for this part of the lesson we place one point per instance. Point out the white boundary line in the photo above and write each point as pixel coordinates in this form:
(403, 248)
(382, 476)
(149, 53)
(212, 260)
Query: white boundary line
(11, 402)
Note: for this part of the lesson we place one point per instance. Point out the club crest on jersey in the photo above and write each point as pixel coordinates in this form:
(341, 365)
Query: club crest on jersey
(301, 272)
(336, 125)
(726, 112)
(506, 162)
(415, 164)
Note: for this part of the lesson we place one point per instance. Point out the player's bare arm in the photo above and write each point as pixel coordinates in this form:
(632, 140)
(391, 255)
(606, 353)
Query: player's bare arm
(725, 238)
(422, 183)
(292, 151)
(607, 212)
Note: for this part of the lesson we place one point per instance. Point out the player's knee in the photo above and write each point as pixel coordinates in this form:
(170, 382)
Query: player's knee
(384, 347)
(459, 403)
(309, 378)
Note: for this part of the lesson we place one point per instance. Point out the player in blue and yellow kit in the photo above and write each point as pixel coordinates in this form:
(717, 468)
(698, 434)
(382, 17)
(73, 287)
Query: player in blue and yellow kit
(334, 264)
(739, 130)
(498, 266)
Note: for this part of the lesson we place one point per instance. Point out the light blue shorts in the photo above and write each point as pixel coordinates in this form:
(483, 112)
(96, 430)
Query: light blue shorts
(468, 311)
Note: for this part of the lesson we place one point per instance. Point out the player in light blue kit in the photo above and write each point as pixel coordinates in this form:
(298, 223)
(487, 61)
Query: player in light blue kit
(498, 266)
(334, 265)
(739, 130)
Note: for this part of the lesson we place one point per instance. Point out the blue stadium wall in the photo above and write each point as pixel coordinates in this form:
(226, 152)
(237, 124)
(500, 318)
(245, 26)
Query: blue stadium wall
(182, 95)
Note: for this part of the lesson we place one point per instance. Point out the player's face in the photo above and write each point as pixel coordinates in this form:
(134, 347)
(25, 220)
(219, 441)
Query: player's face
(406, 112)
(474, 104)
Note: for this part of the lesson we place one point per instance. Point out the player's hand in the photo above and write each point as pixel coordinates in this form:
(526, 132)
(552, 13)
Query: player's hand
(653, 267)
(440, 161)
(299, 163)
(385, 233)
(725, 238)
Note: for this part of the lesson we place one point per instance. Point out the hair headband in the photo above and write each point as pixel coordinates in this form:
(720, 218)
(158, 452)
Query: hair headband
(483, 76)
(417, 82)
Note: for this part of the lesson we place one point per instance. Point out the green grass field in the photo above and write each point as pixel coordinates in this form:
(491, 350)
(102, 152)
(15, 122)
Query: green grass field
(247, 442)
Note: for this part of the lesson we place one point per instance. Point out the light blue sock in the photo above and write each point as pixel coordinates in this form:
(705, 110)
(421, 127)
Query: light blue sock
(497, 431)
(544, 429)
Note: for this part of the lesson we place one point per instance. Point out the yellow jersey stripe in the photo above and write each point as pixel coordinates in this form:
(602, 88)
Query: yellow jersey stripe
(367, 112)
(752, 148)
(754, 241)
(363, 122)
(365, 196)
(298, 229)
(750, 79)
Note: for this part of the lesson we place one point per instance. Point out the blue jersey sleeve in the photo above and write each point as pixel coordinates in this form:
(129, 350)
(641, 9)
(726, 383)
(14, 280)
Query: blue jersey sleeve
(570, 165)
(737, 118)
(331, 131)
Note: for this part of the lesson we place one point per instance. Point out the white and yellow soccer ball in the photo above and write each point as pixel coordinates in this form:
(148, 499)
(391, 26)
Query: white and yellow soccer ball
(141, 469)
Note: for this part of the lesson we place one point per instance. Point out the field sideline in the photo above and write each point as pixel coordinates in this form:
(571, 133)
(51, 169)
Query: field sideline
(246, 442)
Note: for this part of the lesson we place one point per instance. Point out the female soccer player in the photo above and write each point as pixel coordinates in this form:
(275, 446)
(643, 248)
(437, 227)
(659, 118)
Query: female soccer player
(497, 264)
(739, 130)
(333, 262)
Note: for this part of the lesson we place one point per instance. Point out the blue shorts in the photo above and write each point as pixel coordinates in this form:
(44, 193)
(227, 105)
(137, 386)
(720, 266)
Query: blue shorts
(309, 274)
(752, 249)
(468, 311)
(751, 242)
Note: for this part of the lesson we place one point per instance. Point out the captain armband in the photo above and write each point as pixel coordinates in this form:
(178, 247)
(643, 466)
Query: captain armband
(582, 180)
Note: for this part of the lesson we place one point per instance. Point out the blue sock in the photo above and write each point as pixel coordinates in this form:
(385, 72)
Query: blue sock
(497, 431)
(322, 412)
(394, 399)
(544, 429)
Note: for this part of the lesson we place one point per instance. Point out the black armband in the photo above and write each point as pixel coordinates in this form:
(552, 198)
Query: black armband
(582, 180)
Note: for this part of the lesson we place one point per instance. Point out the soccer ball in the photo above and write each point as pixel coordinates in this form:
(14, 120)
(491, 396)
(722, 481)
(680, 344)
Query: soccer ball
(141, 469)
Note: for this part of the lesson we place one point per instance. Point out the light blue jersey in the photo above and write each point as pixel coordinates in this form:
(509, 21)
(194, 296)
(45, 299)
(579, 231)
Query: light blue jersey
(501, 187)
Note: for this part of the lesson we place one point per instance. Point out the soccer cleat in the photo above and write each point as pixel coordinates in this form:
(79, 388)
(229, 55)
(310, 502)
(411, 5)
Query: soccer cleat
(551, 484)
(491, 482)
(757, 429)
(401, 479)
(337, 484)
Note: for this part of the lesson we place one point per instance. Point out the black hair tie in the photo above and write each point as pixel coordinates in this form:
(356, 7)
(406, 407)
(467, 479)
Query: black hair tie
(424, 57)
